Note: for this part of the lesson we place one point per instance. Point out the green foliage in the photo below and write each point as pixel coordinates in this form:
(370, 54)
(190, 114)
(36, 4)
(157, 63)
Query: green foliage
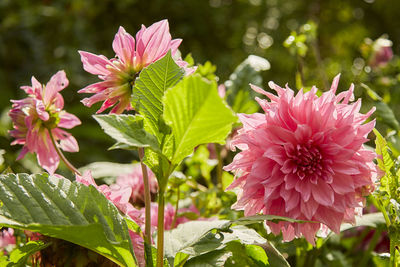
(148, 94)
(150, 88)
(200, 238)
(128, 131)
(374, 220)
(197, 115)
(19, 256)
(65, 210)
(239, 94)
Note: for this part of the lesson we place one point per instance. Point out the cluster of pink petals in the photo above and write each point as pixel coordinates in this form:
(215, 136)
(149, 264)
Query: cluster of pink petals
(119, 73)
(304, 159)
(33, 117)
(6, 238)
(132, 184)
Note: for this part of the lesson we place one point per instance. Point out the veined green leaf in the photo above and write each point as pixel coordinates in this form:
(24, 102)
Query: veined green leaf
(197, 115)
(70, 211)
(127, 130)
(150, 87)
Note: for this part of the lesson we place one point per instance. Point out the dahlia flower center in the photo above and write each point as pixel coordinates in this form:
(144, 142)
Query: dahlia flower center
(308, 161)
(53, 121)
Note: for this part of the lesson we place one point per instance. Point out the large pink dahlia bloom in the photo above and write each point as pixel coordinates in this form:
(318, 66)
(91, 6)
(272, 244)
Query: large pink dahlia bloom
(304, 159)
(33, 117)
(119, 73)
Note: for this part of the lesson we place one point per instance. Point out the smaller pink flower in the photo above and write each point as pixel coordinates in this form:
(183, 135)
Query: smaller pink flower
(120, 198)
(169, 214)
(119, 73)
(133, 183)
(382, 52)
(33, 117)
(7, 238)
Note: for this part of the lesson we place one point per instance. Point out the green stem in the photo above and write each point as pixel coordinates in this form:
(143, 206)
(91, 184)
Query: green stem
(61, 155)
(219, 167)
(160, 228)
(371, 247)
(178, 192)
(147, 199)
(393, 260)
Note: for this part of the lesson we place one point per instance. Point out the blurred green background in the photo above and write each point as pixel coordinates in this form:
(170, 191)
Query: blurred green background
(41, 37)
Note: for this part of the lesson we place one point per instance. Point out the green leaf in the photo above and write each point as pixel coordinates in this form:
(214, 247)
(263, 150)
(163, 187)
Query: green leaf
(275, 258)
(374, 220)
(180, 259)
(258, 254)
(197, 115)
(70, 211)
(389, 182)
(127, 130)
(104, 169)
(150, 87)
(261, 218)
(239, 94)
(212, 259)
(187, 234)
(19, 256)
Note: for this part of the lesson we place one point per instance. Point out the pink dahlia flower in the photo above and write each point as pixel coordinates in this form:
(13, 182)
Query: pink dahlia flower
(33, 117)
(132, 184)
(119, 73)
(304, 159)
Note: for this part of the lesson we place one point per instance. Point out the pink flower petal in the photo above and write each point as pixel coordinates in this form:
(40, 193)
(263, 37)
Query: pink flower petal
(95, 64)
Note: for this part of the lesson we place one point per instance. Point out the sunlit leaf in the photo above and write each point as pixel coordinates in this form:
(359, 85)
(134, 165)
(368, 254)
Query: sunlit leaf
(70, 211)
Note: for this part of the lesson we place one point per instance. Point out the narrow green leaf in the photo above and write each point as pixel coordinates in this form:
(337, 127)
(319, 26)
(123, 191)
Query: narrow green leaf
(70, 211)
(197, 115)
(150, 87)
(261, 218)
(127, 130)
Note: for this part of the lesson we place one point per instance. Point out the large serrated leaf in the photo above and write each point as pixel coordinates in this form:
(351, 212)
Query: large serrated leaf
(127, 130)
(65, 210)
(197, 115)
(149, 89)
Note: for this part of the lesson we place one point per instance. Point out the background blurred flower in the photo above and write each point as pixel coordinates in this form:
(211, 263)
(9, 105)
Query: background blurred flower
(304, 159)
(37, 115)
(7, 238)
(119, 73)
(133, 182)
(382, 52)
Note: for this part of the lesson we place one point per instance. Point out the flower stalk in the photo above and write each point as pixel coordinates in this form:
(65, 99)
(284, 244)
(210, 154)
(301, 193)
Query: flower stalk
(160, 228)
(61, 155)
(147, 198)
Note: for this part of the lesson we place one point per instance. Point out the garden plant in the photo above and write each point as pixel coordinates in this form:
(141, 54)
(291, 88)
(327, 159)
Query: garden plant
(242, 172)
